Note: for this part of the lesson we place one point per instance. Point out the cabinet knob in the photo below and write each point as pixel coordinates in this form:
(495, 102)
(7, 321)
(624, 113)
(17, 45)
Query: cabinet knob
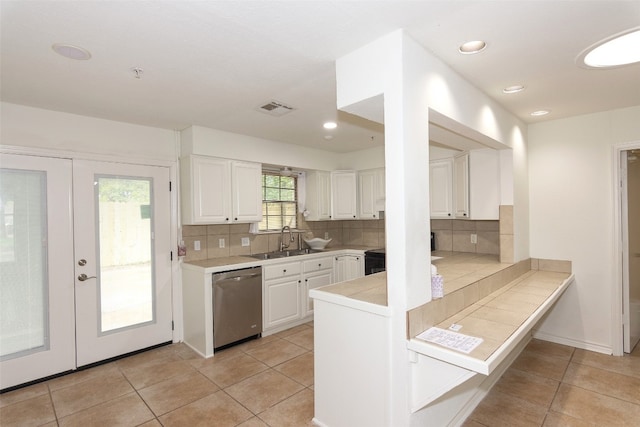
(354, 216)
(235, 219)
(226, 219)
(284, 271)
(320, 265)
(464, 214)
(448, 214)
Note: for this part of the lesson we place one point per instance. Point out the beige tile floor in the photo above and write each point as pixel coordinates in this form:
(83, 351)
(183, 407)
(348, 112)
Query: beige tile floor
(265, 382)
(269, 382)
(552, 385)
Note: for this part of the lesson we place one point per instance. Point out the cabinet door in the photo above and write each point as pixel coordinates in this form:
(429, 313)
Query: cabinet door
(441, 188)
(210, 191)
(367, 195)
(318, 188)
(246, 181)
(348, 267)
(312, 281)
(343, 195)
(461, 185)
(281, 301)
(380, 191)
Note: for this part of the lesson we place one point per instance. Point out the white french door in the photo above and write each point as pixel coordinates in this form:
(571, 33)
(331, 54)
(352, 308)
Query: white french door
(85, 268)
(36, 269)
(122, 258)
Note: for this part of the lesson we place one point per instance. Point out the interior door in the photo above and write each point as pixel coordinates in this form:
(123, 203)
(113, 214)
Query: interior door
(630, 174)
(36, 269)
(122, 258)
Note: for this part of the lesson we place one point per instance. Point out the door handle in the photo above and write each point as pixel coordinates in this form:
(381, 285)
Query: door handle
(84, 277)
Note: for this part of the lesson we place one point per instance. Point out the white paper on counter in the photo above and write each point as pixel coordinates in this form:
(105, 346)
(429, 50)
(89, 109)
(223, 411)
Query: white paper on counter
(450, 339)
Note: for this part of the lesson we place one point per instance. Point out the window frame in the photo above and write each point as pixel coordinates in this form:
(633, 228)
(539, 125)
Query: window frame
(283, 220)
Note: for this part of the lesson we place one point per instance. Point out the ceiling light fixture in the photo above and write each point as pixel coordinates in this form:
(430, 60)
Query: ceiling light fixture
(540, 113)
(471, 47)
(286, 171)
(513, 89)
(615, 51)
(71, 52)
(330, 125)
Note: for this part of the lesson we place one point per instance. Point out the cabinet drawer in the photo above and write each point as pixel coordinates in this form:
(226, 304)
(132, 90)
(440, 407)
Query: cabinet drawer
(281, 270)
(318, 264)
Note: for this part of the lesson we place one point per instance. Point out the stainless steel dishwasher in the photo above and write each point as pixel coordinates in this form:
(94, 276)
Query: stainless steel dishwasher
(237, 305)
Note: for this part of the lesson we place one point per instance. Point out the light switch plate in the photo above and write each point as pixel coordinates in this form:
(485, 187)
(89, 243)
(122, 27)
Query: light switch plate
(245, 241)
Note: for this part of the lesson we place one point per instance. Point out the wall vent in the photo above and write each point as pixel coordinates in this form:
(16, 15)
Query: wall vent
(275, 108)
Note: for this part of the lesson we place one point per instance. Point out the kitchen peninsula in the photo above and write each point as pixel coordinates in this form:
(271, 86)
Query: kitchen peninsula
(498, 302)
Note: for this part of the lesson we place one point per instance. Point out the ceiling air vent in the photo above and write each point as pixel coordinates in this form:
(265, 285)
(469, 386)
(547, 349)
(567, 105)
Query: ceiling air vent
(275, 108)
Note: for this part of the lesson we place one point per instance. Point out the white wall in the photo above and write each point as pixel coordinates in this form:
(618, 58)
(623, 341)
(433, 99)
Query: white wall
(572, 217)
(217, 143)
(53, 130)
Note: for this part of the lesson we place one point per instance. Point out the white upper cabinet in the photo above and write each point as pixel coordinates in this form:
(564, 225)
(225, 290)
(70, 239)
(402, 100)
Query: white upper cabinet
(371, 193)
(441, 188)
(461, 185)
(220, 191)
(318, 196)
(476, 181)
(344, 195)
(246, 192)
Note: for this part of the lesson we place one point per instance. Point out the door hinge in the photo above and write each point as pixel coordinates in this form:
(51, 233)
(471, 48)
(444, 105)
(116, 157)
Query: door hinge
(172, 325)
(169, 185)
(171, 255)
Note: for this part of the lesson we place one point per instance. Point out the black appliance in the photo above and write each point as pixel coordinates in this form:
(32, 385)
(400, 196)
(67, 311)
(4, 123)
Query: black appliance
(374, 261)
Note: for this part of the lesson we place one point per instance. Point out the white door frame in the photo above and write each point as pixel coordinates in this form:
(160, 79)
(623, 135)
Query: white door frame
(176, 276)
(617, 336)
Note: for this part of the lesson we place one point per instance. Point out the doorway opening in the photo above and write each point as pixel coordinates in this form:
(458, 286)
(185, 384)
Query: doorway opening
(626, 292)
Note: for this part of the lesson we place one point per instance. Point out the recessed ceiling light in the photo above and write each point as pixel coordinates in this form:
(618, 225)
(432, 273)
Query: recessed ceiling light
(616, 51)
(71, 52)
(330, 125)
(471, 47)
(540, 113)
(513, 89)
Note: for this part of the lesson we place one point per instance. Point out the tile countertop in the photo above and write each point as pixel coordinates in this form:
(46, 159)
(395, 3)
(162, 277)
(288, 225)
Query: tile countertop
(214, 265)
(459, 269)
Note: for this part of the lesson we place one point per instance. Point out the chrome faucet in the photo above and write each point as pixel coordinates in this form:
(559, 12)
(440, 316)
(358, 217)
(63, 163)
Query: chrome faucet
(289, 240)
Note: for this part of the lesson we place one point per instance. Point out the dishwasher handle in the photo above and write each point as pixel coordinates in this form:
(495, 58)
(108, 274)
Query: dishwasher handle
(242, 274)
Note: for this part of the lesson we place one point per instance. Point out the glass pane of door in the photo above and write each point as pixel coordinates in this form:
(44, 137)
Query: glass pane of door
(125, 251)
(23, 263)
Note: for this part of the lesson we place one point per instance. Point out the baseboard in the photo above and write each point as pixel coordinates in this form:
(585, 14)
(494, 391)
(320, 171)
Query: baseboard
(598, 348)
(196, 350)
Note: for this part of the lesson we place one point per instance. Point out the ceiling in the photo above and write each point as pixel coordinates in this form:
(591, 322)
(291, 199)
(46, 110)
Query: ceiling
(212, 63)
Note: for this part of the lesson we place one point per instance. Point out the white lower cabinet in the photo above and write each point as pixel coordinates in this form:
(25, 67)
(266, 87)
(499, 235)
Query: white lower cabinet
(286, 290)
(348, 267)
(317, 273)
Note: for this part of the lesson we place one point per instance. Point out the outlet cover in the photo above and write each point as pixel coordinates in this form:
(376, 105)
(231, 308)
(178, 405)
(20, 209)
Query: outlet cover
(245, 241)
(196, 245)
(221, 243)
(326, 235)
(474, 238)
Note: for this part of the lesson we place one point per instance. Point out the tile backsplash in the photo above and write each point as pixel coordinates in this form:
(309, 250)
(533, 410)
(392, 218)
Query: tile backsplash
(492, 237)
(362, 233)
(456, 235)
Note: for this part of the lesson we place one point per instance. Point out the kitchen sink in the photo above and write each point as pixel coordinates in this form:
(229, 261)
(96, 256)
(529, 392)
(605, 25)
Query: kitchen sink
(284, 254)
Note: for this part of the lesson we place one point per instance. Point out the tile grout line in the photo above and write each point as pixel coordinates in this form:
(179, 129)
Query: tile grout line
(560, 382)
(155, 416)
